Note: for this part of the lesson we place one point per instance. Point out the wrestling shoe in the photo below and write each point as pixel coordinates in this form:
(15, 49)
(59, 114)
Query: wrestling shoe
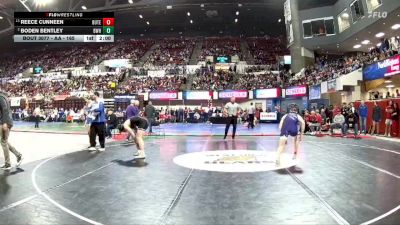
(6, 167)
(140, 155)
(19, 160)
(92, 149)
(101, 149)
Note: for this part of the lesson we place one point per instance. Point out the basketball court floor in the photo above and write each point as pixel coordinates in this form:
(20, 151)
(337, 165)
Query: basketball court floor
(206, 180)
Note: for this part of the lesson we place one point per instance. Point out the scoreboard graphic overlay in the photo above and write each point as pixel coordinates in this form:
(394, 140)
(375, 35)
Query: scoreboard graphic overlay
(63, 26)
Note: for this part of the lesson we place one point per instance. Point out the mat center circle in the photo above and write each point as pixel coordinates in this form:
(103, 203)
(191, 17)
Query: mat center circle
(234, 161)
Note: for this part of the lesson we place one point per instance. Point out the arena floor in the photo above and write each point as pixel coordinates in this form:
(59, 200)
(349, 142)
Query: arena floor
(335, 181)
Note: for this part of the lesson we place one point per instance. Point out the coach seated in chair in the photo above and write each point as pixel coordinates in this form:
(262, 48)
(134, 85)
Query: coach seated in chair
(352, 119)
(112, 123)
(314, 122)
(338, 123)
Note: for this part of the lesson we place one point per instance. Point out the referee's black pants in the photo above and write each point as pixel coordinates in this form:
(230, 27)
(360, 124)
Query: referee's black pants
(231, 120)
(97, 129)
(251, 121)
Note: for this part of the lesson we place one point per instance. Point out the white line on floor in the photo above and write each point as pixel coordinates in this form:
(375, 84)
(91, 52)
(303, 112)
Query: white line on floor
(376, 168)
(33, 177)
(331, 211)
(20, 202)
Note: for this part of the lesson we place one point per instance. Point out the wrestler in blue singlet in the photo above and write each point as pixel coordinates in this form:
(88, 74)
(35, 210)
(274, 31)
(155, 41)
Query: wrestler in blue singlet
(290, 125)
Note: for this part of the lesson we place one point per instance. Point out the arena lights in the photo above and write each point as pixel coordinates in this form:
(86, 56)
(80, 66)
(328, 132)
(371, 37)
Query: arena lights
(147, 22)
(169, 6)
(1, 17)
(236, 20)
(84, 7)
(390, 86)
(280, 20)
(188, 13)
(396, 26)
(365, 42)
(202, 5)
(40, 3)
(388, 81)
(357, 46)
(130, 1)
(191, 21)
(380, 34)
(237, 13)
(140, 16)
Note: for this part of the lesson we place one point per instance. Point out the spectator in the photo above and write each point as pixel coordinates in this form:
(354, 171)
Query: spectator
(395, 119)
(112, 122)
(352, 120)
(314, 122)
(376, 118)
(133, 109)
(338, 123)
(150, 113)
(363, 117)
(389, 121)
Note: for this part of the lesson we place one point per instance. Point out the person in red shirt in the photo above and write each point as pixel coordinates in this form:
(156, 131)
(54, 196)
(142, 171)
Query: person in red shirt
(314, 122)
(389, 121)
(336, 110)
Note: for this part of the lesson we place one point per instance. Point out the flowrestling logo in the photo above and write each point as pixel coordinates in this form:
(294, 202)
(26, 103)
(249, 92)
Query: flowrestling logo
(233, 161)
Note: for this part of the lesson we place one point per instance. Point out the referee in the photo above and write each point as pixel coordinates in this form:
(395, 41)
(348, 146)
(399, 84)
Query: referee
(231, 110)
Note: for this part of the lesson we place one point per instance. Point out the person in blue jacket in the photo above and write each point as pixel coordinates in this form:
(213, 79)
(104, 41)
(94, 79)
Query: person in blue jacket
(363, 111)
(98, 123)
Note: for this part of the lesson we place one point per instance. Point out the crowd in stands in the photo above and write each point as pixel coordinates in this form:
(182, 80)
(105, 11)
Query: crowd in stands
(206, 79)
(172, 51)
(328, 67)
(347, 116)
(53, 58)
(132, 49)
(38, 86)
(251, 81)
(266, 49)
(220, 47)
(142, 84)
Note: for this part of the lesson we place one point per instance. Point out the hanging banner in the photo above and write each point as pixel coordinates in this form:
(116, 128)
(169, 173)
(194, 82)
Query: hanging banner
(267, 93)
(197, 95)
(296, 91)
(60, 97)
(331, 86)
(315, 92)
(169, 95)
(288, 22)
(268, 116)
(382, 69)
(15, 101)
(124, 98)
(231, 93)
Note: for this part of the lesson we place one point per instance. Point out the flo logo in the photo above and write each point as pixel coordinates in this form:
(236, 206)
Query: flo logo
(377, 15)
(233, 161)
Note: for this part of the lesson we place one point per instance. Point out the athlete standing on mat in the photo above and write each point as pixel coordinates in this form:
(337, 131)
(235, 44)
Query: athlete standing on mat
(136, 127)
(5, 126)
(231, 111)
(289, 125)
